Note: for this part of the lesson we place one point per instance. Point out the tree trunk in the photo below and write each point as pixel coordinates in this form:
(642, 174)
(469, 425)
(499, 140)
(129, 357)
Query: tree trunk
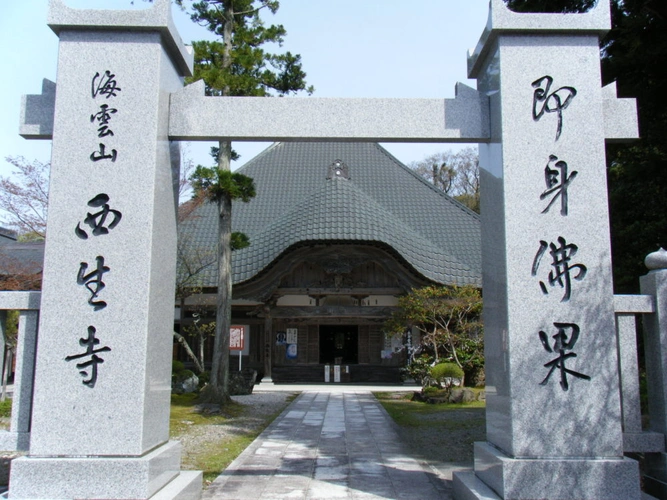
(181, 340)
(217, 390)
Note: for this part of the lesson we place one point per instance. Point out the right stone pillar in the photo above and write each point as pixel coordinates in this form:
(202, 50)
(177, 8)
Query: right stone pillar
(655, 354)
(553, 400)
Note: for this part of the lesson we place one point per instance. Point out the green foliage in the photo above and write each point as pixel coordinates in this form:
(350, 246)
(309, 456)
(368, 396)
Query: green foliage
(446, 375)
(12, 327)
(449, 320)
(551, 6)
(177, 367)
(6, 408)
(216, 184)
(248, 69)
(204, 377)
(239, 240)
(430, 390)
(444, 371)
(420, 369)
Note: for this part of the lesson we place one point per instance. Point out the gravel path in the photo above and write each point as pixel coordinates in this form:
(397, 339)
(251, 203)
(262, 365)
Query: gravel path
(258, 407)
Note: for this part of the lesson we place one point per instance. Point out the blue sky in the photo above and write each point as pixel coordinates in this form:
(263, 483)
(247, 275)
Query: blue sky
(350, 48)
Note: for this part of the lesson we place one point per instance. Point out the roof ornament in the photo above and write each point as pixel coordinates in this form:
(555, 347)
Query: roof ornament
(338, 170)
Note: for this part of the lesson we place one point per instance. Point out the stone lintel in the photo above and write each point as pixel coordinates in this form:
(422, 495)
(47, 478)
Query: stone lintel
(620, 116)
(643, 442)
(20, 300)
(503, 21)
(153, 19)
(37, 111)
(96, 477)
(196, 117)
(632, 304)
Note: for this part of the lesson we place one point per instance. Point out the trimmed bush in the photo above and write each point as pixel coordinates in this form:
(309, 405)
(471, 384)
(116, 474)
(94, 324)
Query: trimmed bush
(445, 375)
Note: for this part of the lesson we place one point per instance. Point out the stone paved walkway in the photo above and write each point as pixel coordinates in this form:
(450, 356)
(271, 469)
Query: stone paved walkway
(328, 445)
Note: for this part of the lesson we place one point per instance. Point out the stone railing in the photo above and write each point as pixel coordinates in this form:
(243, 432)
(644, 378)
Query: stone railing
(635, 439)
(27, 303)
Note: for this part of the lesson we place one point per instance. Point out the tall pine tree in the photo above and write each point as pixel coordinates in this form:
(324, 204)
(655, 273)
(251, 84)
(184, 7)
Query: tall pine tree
(236, 65)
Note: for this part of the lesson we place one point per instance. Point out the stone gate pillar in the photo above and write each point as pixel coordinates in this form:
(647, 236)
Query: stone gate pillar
(553, 405)
(100, 421)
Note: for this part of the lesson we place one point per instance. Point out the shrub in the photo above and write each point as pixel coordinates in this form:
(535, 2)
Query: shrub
(6, 408)
(177, 367)
(420, 370)
(446, 375)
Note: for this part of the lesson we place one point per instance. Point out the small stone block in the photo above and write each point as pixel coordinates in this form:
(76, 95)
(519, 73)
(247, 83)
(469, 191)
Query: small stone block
(186, 486)
(14, 441)
(643, 442)
(467, 486)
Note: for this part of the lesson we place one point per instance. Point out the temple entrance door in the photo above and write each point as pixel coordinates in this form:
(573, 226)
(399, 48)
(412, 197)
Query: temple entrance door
(339, 344)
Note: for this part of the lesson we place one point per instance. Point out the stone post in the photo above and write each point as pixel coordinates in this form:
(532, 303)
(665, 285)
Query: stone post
(655, 351)
(18, 435)
(553, 400)
(100, 420)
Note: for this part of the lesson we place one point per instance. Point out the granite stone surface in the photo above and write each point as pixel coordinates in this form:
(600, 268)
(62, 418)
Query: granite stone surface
(115, 284)
(156, 19)
(36, 121)
(194, 116)
(95, 477)
(100, 418)
(553, 392)
(582, 479)
(502, 20)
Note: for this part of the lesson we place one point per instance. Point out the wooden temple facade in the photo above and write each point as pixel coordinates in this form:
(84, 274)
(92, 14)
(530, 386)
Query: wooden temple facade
(338, 232)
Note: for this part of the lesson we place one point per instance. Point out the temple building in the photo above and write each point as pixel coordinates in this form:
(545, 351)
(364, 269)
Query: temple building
(338, 231)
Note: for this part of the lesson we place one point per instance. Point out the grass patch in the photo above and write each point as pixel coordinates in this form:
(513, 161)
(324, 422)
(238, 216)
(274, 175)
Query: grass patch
(437, 433)
(6, 408)
(211, 441)
(417, 414)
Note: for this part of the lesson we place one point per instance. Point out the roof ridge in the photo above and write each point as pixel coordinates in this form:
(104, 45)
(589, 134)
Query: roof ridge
(439, 191)
(255, 159)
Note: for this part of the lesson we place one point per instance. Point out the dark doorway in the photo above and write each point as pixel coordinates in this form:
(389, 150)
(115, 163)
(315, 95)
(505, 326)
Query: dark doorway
(339, 344)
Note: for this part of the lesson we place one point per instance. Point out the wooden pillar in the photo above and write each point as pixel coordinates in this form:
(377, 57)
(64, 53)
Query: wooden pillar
(268, 346)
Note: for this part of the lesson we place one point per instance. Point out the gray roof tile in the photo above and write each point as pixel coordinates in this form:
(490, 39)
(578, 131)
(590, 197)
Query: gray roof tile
(383, 202)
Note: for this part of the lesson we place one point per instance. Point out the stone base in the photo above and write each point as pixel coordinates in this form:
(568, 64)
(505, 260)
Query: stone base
(186, 486)
(467, 486)
(525, 479)
(14, 441)
(101, 477)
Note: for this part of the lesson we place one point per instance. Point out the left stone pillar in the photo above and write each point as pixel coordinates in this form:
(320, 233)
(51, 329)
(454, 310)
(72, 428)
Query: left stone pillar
(100, 420)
